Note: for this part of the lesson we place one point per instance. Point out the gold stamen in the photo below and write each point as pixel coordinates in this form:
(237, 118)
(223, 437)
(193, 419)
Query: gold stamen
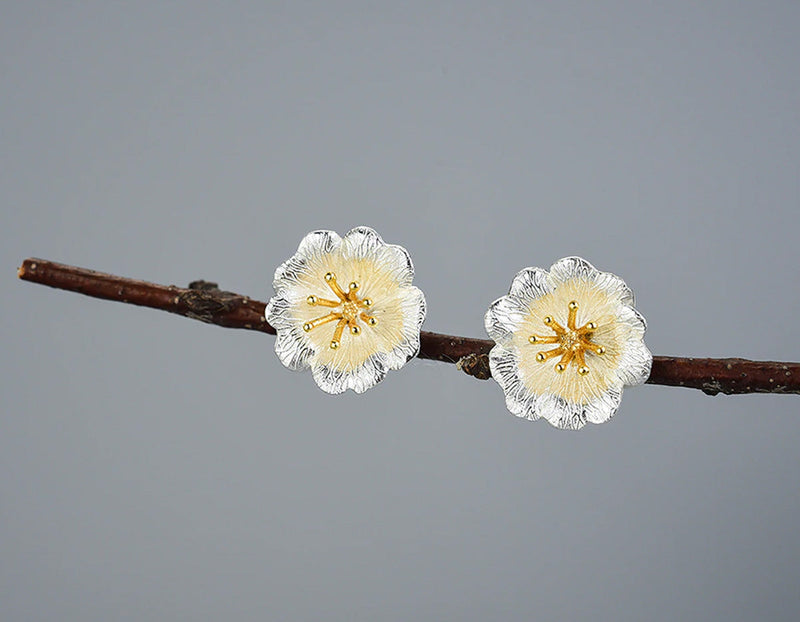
(580, 361)
(564, 362)
(538, 339)
(337, 334)
(321, 320)
(560, 330)
(573, 313)
(348, 314)
(543, 356)
(572, 342)
(330, 279)
(314, 301)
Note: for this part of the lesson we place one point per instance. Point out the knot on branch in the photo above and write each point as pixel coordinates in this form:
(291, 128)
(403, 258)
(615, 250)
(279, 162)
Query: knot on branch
(476, 365)
(204, 301)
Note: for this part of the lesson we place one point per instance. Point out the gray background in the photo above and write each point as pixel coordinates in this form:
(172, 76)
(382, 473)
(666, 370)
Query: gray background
(152, 467)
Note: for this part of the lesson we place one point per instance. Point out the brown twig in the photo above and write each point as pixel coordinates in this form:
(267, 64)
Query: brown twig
(206, 302)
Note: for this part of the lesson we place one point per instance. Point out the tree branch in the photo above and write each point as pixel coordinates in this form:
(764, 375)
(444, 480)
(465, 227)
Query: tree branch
(206, 302)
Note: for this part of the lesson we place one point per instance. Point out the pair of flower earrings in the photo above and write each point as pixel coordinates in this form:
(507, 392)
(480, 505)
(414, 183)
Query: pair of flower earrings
(567, 340)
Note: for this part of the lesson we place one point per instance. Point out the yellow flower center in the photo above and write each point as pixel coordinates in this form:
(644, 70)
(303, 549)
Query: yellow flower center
(572, 342)
(349, 309)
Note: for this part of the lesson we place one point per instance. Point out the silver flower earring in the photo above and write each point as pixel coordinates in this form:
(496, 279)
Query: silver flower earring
(567, 341)
(346, 309)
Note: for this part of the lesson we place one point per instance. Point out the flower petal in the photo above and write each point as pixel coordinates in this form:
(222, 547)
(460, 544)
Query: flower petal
(396, 260)
(570, 268)
(603, 408)
(503, 318)
(635, 363)
(505, 370)
(278, 313)
(314, 245)
(615, 287)
(402, 353)
(292, 349)
(364, 377)
(318, 243)
(633, 320)
(415, 308)
(361, 243)
(561, 413)
(530, 283)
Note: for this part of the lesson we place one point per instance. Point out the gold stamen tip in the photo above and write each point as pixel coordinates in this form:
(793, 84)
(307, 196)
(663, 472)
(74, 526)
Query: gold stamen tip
(573, 305)
(329, 276)
(334, 344)
(532, 339)
(367, 302)
(601, 350)
(591, 325)
(353, 286)
(583, 370)
(373, 321)
(548, 319)
(307, 327)
(355, 330)
(541, 357)
(312, 300)
(560, 367)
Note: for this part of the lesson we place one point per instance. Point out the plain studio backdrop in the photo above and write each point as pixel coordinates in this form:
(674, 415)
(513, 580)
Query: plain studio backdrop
(156, 468)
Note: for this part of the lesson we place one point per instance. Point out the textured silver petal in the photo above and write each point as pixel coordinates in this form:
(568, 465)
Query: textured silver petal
(571, 268)
(278, 313)
(315, 244)
(414, 310)
(603, 408)
(502, 319)
(397, 260)
(402, 353)
(635, 364)
(634, 319)
(636, 360)
(292, 350)
(505, 370)
(364, 377)
(361, 242)
(530, 283)
(365, 242)
(615, 287)
(320, 242)
(561, 413)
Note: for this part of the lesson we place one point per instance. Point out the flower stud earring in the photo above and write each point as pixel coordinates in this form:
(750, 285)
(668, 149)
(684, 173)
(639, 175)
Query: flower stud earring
(345, 308)
(567, 341)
